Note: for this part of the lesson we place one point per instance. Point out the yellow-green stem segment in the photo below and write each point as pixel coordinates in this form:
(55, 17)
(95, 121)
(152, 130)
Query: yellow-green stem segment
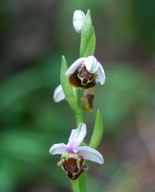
(75, 187)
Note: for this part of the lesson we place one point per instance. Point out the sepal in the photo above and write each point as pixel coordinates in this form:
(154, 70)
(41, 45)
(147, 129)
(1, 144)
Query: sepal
(100, 74)
(58, 94)
(91, 64)
(77, 136)
(90, 154)
(59, 148)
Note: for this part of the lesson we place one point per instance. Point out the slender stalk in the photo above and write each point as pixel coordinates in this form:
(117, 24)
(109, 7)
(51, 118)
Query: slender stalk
(83, 183)
(79, 115)
(79, 118)
(75, 187)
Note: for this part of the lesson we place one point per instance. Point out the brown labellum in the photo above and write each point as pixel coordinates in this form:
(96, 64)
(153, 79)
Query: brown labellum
(82, 79)
(87, 99)
(73, 165)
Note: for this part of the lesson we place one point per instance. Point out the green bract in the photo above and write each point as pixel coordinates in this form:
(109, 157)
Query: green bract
(98, 131)
(88, 39)
(67, 88)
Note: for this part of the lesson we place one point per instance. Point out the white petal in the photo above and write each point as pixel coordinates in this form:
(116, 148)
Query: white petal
(101, 74)
(59, 148)
(90, 154)
(77, 136)
(91, 64)
(58, 94)
(78, 18)
(75, 65)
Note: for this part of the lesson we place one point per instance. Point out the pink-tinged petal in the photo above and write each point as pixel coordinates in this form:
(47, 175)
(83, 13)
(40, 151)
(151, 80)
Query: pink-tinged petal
(58, 94)
(75, 65)
(59, 148)
(101, 74)
(77, 136)
(91, 64)
(90, 154)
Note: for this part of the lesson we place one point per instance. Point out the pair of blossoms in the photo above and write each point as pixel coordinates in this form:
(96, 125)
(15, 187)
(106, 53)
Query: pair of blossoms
(84, 73)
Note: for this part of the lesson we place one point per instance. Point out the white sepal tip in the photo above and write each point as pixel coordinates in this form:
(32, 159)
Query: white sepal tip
(58, 94)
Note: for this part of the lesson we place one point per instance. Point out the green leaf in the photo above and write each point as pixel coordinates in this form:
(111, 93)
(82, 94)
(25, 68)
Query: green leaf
(98, 131)
(88, 39)
(67, 88)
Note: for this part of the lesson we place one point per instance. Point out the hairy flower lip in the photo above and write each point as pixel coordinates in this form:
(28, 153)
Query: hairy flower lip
(73, 146)
(73, 165)
(92, 66)
(76, 81)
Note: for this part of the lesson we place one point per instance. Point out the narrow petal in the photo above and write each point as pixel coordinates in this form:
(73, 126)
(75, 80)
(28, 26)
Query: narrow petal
(77, 136)
(91, 64)
(90, 154)
(58, 94)
(59, 148)
(101, 74)
(75, 65)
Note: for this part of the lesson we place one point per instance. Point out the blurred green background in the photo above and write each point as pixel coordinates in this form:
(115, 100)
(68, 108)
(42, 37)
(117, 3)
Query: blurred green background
(33, 37)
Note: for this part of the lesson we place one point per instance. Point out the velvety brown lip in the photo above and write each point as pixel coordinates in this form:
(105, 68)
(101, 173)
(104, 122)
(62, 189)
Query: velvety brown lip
(74, 167)
(82, 79)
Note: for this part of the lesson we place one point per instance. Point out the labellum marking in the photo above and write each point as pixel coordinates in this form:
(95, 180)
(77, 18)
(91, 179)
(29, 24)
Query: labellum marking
(83, 79)
(73, 166)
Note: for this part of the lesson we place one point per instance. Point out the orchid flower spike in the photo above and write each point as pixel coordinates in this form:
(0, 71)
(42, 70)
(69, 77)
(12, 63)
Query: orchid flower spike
(58, 94)
(78, 18)
(73, 155)
(85, 72)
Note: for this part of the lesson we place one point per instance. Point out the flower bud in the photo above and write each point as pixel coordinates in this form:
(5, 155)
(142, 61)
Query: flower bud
(78, 18)
(87, 99)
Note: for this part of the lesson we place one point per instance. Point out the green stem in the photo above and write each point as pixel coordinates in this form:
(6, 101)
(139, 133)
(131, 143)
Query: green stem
(79, 118)
(83, 183)
(79, 115)
(75, 187)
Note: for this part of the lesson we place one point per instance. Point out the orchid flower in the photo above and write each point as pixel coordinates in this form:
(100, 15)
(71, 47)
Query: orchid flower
(78, 18)
(85, 72)
(73, 155)
(58, 94)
